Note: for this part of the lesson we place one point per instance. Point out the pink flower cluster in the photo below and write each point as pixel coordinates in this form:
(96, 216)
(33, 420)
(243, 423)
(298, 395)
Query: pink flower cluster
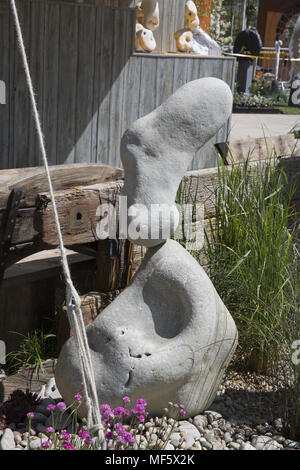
(61, 406)
(85, 436)
(140, 409)
(112, 418)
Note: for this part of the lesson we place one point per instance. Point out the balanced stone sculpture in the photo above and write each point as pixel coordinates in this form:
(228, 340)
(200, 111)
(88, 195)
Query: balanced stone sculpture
(201, 43)
(144, 39)
(168, 336)
(184, 38)
(295, 51)
(191, 15)
(147, 16)
(150, 10)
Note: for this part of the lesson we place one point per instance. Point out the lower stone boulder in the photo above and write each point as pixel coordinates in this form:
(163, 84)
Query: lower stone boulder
(167, 337)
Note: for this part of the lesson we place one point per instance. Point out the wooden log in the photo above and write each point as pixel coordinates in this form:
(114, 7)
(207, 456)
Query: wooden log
(238, 151)
(77, 210)
(114, 262)
(33, 181)
(27, 378)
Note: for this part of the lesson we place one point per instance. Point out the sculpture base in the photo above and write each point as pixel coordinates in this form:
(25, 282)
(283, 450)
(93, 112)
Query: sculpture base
(167, 337)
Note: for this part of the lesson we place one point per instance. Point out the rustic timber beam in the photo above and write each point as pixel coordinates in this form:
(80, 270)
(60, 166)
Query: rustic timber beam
(33, 181)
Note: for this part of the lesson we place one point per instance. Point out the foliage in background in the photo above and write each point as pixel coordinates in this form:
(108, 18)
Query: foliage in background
(36, 347)
(296, 130)
(220, 24)
(252, 261)
(264, 86)
(245, 100)
(228, 18)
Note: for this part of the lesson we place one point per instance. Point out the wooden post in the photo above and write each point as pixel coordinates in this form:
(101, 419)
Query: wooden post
(114, 265)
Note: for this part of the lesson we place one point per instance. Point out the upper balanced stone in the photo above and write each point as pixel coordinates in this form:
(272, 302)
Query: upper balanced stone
(157, 150)
(166, 337)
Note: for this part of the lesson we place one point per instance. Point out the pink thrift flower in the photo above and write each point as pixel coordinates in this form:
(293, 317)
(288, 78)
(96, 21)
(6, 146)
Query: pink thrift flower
(78, 397)
(141, 401)
(138, 409)
(105, 410)
(140, 418)
(119, 428)
(50, 429)
(68, 446)
(65, 435)
(126, 400)
(182, 412)
(83, 434)
(46, 444)
(30, 415)
(61, 406)
(120, 411)
(50, 407)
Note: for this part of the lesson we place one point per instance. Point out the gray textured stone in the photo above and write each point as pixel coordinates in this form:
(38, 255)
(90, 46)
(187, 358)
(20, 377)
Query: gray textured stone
(157, 150)
(176, 439)
(234, 445)
(35, 444)
(189, 433)
(167, 337)
(7, 440)
(265, 443)
(247, 446)
(200, 422)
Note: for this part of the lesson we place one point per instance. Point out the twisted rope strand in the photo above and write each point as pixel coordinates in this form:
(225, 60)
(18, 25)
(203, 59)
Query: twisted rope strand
(73, 298)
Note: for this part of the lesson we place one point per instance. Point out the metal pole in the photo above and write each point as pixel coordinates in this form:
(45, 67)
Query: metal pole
(244, 10)
(278, 45)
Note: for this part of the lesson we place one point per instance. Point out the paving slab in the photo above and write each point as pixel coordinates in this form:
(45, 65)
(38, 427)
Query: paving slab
(250, 126)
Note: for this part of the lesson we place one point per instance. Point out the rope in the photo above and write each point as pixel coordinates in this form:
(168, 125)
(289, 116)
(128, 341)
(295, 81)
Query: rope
(73, 300)
(249, 56)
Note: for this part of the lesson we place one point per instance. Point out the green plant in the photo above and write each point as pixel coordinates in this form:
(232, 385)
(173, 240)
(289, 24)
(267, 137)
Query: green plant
(250, 253)
(296, 130)
(268, 88)
(14, 409)
(219, 22)
(36, 347)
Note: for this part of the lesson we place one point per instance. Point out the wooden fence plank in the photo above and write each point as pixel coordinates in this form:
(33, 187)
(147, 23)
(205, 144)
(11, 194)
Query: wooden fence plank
(68, 63)
(106, 79)
(4, 76)
(21, 116)
(51, 81)
(85, 84)
(36, 65)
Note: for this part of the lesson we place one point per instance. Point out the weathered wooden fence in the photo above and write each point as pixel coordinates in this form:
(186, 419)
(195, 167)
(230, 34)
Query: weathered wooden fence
(90, 83)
